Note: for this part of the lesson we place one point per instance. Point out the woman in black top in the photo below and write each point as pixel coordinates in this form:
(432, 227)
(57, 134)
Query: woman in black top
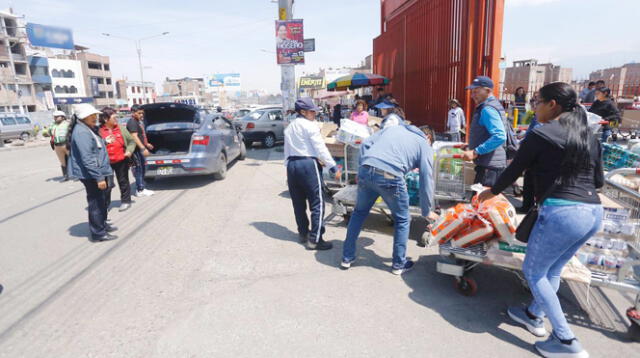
(565, 159)
(605, 108)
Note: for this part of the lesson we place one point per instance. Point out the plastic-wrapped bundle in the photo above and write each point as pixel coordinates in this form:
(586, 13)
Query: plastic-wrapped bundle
(452, 221)
(502, 215)
(413, 187)
(479, 231)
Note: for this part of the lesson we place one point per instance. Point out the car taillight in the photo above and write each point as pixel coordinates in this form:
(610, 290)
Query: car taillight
(200, 140)
(251, 125)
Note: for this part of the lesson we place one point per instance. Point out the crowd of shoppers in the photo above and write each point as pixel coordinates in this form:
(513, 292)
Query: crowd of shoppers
(93, 147)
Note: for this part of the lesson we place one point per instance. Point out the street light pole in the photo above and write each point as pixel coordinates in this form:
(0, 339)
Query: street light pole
(138, 43)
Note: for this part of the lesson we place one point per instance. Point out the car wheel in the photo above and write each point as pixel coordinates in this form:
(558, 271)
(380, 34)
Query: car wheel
(25, 136)
(222, 173)
(243, 151)
(269, 140)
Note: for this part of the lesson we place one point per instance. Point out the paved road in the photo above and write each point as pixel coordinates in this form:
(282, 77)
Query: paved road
(208, 268)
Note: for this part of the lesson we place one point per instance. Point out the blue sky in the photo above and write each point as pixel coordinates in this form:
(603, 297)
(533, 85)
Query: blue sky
(228, 36)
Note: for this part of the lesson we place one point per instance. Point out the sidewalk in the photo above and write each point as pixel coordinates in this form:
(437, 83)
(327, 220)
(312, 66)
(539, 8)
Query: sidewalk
(19, 144)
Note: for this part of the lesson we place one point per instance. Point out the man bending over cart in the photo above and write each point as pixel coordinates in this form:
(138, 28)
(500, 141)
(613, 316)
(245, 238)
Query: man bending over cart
(385, 158)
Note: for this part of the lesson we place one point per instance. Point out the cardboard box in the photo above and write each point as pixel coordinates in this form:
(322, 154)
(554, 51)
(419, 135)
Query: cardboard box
(336, 149)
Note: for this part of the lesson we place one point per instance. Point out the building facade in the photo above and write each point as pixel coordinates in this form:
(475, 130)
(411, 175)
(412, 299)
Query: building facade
(17, 93)
(624, 81)
(531, 75)
(97, 78)
(39, 68)
(186, 90)
(135, 92)
(67, 81)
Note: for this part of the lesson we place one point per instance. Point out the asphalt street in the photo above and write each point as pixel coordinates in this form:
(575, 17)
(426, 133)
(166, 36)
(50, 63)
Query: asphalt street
(213, 269)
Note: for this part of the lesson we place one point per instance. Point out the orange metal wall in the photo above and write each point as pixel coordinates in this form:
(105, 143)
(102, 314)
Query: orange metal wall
(432, 49)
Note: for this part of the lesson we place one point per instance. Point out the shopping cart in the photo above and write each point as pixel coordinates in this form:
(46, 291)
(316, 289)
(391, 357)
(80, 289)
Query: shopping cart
(626, 276)
(622, 276)
(449, 173)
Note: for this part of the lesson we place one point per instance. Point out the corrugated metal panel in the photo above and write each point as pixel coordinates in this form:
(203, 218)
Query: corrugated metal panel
(432, 49)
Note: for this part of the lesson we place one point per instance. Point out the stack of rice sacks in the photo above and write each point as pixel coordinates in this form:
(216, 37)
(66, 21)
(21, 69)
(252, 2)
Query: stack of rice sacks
(469, 224)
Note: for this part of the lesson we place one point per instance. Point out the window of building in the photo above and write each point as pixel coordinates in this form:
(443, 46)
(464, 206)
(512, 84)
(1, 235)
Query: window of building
(108, 81)
(73, 89)
(106, 67)
(58, 89)
(55, 73)
(21, 69)
(68, 74)
(94, 65)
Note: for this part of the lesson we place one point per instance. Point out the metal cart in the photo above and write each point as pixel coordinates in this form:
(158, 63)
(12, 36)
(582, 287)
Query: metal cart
(449, 173)
(458, 262)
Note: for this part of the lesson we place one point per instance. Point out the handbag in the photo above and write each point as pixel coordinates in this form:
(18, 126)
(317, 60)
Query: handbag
(528, 222)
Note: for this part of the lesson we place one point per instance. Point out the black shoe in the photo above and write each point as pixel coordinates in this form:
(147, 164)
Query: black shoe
(302, 238)
(106, 237)
(110, 228)
(320, 245)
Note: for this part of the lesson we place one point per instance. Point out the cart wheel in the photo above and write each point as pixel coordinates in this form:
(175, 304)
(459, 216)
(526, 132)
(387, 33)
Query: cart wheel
(466, 285)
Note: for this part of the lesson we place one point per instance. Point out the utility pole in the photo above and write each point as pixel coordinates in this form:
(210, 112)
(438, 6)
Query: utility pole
(139, 51)
(144, 90)
(288, 72)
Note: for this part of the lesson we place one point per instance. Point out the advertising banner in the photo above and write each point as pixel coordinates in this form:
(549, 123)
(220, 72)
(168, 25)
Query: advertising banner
(50, 36)
(290, 42)
(223, 81)
(311, 82)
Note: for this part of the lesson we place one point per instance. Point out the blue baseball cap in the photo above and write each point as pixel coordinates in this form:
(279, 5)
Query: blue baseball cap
(481, 81)
(384, 105)
(306, 103)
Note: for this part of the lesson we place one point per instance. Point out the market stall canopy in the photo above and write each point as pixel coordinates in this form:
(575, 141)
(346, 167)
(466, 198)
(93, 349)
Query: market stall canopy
(326, 94)
(357, 80)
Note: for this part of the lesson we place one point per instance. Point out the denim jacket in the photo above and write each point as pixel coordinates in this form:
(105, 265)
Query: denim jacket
(88, 158)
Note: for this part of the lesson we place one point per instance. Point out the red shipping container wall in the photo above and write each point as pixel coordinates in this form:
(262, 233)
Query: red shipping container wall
(432, 49)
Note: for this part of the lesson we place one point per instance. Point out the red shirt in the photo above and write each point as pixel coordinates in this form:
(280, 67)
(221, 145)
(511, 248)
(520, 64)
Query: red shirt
(115, 143)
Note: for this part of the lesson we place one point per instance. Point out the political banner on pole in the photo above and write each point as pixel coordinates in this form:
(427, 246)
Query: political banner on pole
(290, 42)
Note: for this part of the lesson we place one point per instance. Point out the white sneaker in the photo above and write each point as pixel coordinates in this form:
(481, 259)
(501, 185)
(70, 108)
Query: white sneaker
(147, 192)
(138, 194)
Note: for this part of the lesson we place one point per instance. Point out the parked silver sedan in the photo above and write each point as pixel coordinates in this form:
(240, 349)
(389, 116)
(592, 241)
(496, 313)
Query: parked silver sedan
(265, 125)
(189, 141)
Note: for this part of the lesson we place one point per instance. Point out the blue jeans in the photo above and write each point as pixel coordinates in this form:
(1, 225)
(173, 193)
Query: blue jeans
(371, 185)
(139, 170)
(559, 232)
(606, 133)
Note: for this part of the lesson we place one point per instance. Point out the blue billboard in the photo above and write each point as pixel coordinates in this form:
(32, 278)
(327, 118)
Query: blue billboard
(227, 81)
(49, 36)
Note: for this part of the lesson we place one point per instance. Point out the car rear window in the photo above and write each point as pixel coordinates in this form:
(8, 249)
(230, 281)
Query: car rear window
(23, 120)
(253, 116)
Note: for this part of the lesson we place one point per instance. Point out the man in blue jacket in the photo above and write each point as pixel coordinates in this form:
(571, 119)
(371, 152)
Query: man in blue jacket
(487, 133)
(385, 158)
(89, 162)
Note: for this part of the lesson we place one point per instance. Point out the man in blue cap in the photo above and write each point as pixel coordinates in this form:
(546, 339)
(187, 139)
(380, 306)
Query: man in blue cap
(392, 114)
(305, 153)
(487, 133)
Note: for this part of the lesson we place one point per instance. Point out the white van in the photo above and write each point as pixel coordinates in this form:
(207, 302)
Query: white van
(15, 126)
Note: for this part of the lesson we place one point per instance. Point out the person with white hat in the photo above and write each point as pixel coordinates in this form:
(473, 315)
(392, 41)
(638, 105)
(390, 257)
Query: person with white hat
(58, 132)
(89, 162)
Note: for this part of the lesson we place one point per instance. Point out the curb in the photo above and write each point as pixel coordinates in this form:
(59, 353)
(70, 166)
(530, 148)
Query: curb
(33, 145)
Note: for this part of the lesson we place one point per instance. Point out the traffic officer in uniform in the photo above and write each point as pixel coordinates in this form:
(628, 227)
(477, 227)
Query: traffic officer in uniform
(305, 154)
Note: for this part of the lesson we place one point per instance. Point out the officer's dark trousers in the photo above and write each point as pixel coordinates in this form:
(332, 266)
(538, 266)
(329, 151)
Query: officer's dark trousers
(97, 200)
(304, 177)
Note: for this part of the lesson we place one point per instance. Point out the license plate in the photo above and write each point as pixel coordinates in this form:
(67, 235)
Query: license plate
(165, 170)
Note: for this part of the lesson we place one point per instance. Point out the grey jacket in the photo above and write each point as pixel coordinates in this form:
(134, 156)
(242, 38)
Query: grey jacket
(88, 157)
